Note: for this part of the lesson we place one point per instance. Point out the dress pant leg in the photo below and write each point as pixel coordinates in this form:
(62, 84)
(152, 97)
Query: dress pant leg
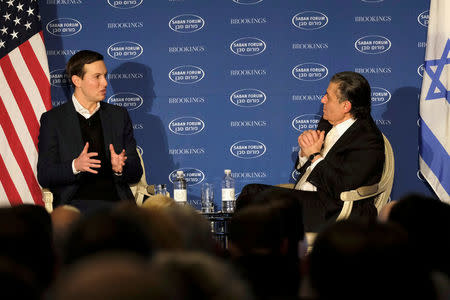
(316, 211)
(248, 194)
(88, 207)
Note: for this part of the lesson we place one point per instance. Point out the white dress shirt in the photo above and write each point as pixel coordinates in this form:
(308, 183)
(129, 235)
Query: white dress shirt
(83, 111)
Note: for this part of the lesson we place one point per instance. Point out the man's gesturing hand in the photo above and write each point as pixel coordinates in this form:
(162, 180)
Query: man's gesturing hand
(311, 141)
(84, 162)
(117, 160)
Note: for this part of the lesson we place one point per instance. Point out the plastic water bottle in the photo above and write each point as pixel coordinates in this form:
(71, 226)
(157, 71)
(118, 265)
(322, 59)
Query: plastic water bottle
(158, 189)
(179, 189)
(228, 200)
(164, 190)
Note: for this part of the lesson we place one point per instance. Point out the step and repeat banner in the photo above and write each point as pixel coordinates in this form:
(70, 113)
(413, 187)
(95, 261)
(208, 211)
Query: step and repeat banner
(230, 84)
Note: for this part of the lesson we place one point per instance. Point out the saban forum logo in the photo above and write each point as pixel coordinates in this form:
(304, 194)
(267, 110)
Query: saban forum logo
(306, 122)
(248, 149)
(295, 175)
(420, 176)
(423, 18)
(420, 70)
(186, 23)
(248, 46)
(186, 125)
(310, 20)
(64, 27)
(130, 101)
(59, 78)
(125, 50)
(125, 4)
(186, 74)
(247, 2)
(373, 44)
(380, 96)
(248, 98)
(310, 72)
(193, 176)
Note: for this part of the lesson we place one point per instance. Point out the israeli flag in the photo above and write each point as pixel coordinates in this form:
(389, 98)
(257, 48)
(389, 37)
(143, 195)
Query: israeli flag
(434, 140)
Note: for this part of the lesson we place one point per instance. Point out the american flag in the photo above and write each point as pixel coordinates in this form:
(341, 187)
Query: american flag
(24, 96)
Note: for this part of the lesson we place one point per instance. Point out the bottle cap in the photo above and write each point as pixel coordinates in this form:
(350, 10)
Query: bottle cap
(227, 171)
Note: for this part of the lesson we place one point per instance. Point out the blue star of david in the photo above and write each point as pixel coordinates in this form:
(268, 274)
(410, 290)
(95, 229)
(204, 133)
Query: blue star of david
(437, 89)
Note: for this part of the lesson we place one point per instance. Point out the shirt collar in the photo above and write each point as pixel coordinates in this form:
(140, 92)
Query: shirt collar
(83, 111)
(342, 127)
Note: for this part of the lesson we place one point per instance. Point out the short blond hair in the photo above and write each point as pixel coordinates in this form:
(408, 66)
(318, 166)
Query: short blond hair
(158, 201)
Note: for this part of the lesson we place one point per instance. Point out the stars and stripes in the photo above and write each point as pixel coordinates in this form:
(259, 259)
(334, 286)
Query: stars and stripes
(24, 96)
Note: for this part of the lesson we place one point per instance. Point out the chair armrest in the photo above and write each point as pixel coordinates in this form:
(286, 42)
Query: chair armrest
(47, 197)
(286, 185)
(310, 238)
(360, 193)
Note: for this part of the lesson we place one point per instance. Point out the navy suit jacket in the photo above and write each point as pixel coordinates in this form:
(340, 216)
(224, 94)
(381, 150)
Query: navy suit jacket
(355, 160)
(60, 142)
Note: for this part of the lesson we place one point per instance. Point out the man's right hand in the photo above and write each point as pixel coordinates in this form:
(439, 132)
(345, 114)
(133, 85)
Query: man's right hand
(311, 141)
(84, 162)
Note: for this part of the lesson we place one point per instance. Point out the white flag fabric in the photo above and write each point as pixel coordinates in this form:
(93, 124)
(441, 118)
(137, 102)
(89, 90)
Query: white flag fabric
(434, 139)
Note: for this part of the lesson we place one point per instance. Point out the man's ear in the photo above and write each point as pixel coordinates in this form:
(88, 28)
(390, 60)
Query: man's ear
(347, 106)
(76, 80)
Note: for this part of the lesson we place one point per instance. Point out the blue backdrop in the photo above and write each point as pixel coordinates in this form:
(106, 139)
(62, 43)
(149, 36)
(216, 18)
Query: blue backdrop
(218, 84)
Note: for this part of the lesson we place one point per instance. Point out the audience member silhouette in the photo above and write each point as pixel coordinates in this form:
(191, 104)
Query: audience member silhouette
(195, 231)
(427, 221)
(105, 276)
(196, 276)
(363, 259)
(265, 237)
(163, 231)
(63, 219)
(159, 201)
(26, 240)
(104, 232)
(383, 216)
(17, 282)
(167, 252)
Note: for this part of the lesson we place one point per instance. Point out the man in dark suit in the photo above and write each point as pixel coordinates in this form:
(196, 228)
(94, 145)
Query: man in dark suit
(78, 140)
(345, 152)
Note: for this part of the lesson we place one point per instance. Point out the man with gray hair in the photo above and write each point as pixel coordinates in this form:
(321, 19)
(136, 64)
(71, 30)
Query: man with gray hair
(345, 152)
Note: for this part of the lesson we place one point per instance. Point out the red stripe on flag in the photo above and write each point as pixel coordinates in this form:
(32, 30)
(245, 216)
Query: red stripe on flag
(8, 185)
(20, 155)
(37, 72)
(21, 97)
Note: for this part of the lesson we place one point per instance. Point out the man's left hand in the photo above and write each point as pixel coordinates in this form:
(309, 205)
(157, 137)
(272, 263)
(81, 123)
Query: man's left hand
(117, 160)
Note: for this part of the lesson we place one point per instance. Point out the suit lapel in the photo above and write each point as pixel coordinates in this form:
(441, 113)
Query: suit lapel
(106, 120)
(345, 138)
(71, 128)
